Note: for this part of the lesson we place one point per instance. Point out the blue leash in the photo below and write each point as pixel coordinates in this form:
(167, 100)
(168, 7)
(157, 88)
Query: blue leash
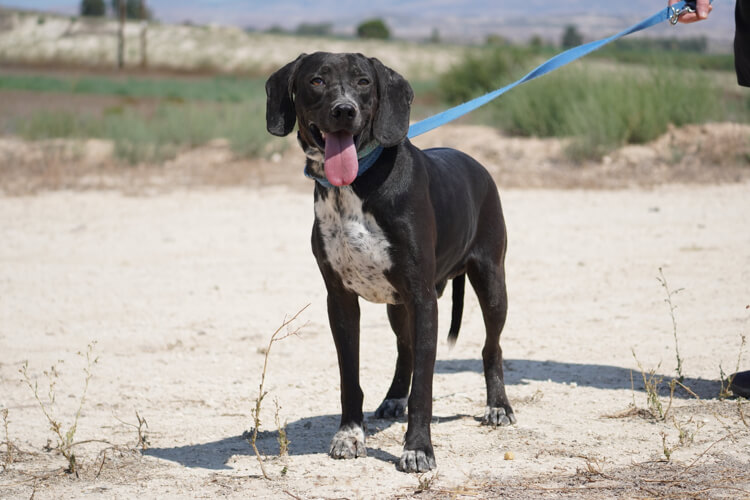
(671, 13)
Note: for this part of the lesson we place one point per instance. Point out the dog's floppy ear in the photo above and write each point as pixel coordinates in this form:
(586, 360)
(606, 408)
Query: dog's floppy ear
(391, 123)
(280, 113)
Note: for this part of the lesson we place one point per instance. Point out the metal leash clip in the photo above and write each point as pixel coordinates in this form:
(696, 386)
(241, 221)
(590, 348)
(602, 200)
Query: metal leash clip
(689, 7)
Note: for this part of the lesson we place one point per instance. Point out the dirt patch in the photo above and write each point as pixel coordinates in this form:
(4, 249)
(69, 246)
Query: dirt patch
(696, 154)
(593, 479)
(21, 104)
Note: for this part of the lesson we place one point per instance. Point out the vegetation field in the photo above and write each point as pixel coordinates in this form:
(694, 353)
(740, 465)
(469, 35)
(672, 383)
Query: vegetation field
(628, 93)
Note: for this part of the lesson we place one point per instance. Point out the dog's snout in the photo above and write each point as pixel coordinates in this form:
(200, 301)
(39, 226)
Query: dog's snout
(344, 112)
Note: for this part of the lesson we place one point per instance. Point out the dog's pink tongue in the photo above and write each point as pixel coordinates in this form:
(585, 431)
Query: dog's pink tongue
(341, 165)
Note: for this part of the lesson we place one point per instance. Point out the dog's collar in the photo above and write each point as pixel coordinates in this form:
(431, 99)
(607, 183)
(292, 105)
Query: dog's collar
(367, 158)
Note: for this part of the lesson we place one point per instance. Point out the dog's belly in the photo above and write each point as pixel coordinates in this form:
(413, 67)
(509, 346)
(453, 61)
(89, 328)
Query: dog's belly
(355, 245)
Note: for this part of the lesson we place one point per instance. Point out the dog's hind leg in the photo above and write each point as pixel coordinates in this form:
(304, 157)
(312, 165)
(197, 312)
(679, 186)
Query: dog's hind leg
(394, 404)
(487, 276)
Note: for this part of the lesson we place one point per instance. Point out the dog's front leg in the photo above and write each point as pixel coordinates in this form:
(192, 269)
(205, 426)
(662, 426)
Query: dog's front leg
(343, 314)
(418, 455)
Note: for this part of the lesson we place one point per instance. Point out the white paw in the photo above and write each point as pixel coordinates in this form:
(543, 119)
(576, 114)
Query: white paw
(348, 442)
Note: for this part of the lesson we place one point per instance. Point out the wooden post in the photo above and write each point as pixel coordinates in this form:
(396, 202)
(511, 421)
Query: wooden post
(144, 35)
(121, 37)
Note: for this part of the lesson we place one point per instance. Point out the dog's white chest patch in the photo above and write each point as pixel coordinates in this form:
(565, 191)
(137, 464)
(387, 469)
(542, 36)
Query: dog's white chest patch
(355, 245)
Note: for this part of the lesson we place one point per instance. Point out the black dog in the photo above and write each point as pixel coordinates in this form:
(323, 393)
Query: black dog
(392, 225)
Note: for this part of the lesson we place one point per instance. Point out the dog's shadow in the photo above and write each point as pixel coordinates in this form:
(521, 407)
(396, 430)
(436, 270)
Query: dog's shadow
(520, 371)
(309, 436)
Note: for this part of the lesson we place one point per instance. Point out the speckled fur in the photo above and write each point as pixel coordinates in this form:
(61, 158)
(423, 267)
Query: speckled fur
(355, 245)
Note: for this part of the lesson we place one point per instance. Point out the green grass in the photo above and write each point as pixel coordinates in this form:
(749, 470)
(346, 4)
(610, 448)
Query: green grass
(220, 88)
(191, 112)
(674, 59)
(172, 126)
(604, 110)
(483, 71)
(601, 106)
(686, 53)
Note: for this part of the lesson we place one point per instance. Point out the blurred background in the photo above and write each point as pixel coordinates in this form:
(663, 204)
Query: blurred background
(147, 80)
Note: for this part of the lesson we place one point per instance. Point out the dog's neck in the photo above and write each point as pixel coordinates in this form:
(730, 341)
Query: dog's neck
(366, 155)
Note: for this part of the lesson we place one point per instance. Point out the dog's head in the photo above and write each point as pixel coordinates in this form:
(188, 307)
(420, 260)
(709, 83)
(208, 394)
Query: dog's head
(341, 102)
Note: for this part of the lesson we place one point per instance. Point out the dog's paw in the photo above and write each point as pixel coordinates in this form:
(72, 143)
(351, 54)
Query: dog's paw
(391, 408)
(498, 417)
(348, 442)
(416, 461)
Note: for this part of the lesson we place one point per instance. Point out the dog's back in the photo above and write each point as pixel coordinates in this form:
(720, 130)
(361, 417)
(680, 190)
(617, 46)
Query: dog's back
(463, 196)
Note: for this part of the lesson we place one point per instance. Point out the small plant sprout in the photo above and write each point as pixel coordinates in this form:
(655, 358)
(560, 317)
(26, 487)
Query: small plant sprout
(685, 436)
(666, 449)
(281, 428)
(651, 383)
(65, 438)
(8, 445)
(670, 293)
(141, 428)
(275, 337)
(143, 443)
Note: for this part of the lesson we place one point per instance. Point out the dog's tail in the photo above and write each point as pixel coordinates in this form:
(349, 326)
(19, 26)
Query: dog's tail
(459, 283)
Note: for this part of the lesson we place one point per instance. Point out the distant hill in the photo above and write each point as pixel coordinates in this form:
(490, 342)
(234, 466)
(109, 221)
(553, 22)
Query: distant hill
(460, 21)
(454, 20)
(519, 21)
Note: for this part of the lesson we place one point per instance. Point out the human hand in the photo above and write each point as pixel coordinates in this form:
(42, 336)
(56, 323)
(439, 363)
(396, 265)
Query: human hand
(702, 9)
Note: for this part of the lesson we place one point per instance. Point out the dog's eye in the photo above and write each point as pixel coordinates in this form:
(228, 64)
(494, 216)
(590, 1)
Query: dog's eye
(363, 81)
(316, 82)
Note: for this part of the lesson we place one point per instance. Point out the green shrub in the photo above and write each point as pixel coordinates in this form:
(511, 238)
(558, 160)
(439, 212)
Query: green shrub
(599, 107)
(571, 37)
(55, 125)
(374, 28)
(604, 110)
(177, 126)
(94, 8)
(172, 127)
(481, 72)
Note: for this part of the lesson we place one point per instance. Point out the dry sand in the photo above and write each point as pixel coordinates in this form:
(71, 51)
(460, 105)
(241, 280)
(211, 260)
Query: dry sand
(182, 288)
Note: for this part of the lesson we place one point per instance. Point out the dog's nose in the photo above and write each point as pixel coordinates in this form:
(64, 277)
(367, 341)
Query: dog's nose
(344, 112)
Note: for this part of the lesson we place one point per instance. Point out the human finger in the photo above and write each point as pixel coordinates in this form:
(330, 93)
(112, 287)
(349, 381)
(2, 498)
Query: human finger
(691, 17)
(702, 8)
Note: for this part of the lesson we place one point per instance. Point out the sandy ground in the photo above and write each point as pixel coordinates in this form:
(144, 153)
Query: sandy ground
(182, 289)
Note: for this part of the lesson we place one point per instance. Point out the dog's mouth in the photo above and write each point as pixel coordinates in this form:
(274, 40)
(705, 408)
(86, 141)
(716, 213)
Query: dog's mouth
(341, 164)
(317, 136)
(320, 137)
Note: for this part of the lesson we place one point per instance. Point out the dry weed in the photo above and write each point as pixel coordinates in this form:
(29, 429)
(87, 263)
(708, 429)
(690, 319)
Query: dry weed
(670, 293)
(262, 392)
(65, 438)
(9, 458)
